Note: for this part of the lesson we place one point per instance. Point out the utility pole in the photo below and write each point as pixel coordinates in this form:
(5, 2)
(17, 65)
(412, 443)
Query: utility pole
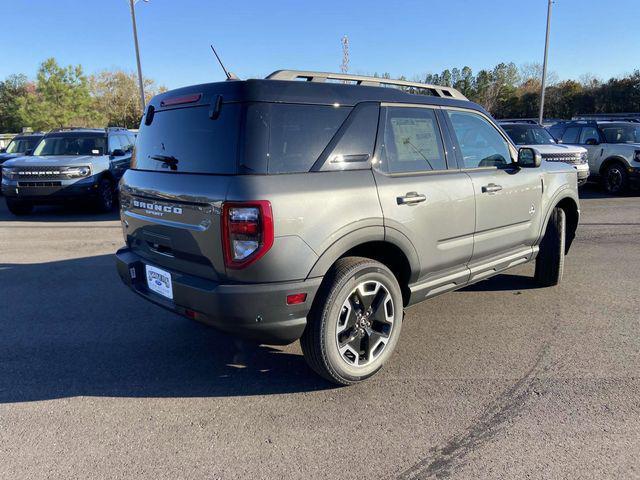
(344, 68)
(544, 64)
(135, 41)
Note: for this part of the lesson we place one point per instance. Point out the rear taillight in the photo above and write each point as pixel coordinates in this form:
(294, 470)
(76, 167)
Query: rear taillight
(247, 232)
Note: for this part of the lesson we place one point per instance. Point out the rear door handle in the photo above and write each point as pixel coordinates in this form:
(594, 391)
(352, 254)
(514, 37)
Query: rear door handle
(491, 188)
(411, 198)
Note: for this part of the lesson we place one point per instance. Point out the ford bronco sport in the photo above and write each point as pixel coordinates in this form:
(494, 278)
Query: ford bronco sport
(318, 206)
(613, 146)
(69, 164)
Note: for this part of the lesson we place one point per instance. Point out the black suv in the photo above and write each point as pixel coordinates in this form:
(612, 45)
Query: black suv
(20, 145)
(69, 164)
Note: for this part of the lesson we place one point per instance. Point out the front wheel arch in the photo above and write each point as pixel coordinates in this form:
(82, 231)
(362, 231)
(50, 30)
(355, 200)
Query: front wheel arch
(608, 161)
(572, 212)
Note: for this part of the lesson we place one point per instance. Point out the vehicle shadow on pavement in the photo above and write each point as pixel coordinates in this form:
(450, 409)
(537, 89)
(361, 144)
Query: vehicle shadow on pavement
(70, 328)
(502, 282)
(58, 213)
(594, 191)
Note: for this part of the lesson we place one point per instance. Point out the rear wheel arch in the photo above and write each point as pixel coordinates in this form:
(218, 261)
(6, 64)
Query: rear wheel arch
(387, 251)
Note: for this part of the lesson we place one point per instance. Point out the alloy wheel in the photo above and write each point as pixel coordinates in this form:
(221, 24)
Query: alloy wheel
(365, 323)
(614, 179)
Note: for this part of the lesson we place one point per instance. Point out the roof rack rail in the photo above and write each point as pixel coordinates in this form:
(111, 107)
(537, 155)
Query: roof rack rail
(530, 121)
(635, 118)
(115, 128)
(66, 129)
(435, 90)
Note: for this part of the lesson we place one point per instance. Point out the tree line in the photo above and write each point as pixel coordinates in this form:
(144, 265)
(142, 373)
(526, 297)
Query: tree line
(64, 96)
(507, 91)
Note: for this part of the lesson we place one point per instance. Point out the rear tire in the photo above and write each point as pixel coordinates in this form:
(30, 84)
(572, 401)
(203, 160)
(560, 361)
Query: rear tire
(550, 259)
(106, 196)
(355, 321)
(19, 207)
(615, 179)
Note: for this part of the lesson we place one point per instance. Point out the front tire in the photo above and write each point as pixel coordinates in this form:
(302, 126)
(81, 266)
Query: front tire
(355, 321)
(550, 259)
(615, 179)
(19, 207)
(105, 196)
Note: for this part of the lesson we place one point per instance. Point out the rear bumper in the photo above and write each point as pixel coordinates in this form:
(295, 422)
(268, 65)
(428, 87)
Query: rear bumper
(253, 311)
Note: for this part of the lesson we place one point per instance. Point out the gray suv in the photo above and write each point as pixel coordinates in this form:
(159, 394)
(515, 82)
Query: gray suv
(318, 206)
(69, 164)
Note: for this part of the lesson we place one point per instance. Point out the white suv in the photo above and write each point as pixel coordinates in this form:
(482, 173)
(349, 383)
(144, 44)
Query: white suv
(614, 150)
(529, 133)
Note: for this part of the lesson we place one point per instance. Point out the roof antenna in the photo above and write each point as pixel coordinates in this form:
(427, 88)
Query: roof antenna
(230, 75)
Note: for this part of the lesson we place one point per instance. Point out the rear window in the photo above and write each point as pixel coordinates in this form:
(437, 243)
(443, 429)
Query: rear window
(244, 138)
(196, 142)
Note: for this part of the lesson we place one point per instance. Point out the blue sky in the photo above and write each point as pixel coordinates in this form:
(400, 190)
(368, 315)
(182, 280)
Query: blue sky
(257, 37)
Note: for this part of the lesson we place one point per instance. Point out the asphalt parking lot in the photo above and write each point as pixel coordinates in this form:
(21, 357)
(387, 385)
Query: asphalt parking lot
(499, 380)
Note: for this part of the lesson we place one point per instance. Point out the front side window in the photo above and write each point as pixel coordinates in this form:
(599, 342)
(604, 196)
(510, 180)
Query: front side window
(571, 135)
(411, 142)
(481, 145)
(588, 133)
(127, 146)
(71, 145)
(115, 143)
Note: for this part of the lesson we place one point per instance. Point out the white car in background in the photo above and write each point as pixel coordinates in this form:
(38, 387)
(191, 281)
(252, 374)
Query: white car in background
(613, 146)
(528, 133)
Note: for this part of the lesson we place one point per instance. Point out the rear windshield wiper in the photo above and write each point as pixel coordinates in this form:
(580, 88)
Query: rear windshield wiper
(168, 159)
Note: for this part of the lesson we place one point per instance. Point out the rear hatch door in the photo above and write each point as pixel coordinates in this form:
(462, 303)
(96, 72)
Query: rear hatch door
(181, 167)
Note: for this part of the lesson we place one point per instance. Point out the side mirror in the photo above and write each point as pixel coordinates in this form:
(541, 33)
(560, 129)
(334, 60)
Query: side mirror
(117, 153)
(3, 150)
(529, 158)
(29, 152)
(592, 141)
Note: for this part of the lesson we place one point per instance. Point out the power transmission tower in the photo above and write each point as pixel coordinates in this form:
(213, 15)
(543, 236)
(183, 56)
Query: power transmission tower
(344, 68)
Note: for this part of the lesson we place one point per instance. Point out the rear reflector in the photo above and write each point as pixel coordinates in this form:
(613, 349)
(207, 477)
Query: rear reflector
(180, 100)
(190, 314)
(296, 298)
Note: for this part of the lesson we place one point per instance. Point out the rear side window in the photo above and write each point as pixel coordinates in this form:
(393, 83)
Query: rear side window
(188, 140)
(288, 138)
(412, 141)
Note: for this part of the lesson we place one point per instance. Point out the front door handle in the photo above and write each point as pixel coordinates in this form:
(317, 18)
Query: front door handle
(491, 188)
(411, 198)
